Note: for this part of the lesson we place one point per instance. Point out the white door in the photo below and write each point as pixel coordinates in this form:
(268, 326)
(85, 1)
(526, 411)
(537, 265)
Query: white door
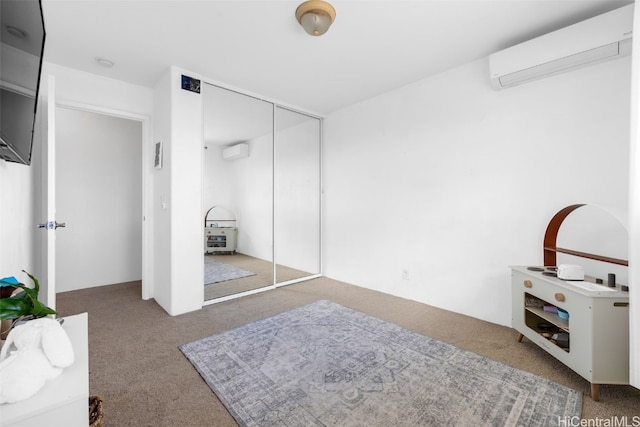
(46, 203)
(46, 185)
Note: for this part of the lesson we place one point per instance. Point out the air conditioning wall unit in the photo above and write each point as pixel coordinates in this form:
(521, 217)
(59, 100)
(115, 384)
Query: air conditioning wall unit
(598, 39)
(238, 151)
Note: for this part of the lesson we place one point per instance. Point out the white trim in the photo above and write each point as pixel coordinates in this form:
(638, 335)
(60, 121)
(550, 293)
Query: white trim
(18, 89)
(321, 204)
(50, 184)
(276, 103)
(294, 281)
(147, 184)
(274, 273)
(240, 295)
(634, 216)
(259, 290)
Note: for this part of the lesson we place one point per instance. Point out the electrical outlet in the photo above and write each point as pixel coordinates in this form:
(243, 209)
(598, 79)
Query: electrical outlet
(405, 274)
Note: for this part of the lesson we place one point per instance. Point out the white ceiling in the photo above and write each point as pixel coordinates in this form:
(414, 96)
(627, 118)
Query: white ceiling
(258, 46)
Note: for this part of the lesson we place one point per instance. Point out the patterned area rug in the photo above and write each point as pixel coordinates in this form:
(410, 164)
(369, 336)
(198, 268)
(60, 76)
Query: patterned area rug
(326, 365)
(216, 271)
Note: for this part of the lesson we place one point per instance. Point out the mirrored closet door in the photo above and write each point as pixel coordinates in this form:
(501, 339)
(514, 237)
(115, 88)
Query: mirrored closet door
(296, 195)
(261, 194)
(237, 193)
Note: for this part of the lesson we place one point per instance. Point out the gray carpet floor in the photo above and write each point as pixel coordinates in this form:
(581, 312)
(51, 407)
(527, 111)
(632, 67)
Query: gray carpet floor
(145, 380)
(216, 271)
(262, 275)
(324, 364)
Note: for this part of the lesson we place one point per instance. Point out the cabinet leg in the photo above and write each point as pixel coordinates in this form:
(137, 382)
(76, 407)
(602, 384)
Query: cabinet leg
(595, 392)
(520, 336)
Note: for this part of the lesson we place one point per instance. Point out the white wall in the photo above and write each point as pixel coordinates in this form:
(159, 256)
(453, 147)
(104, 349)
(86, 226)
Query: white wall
(451, 182)
(246, 187)
(161, 178)
(177, 199)
(17, 220)
(82, 88)
(99, 197)
(216, 178)
(297, 198)
(242, 188)
(251, 183)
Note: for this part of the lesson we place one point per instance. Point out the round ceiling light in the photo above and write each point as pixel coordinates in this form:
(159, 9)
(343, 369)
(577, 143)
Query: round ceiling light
(315, 16)
(16, 32)
(106, 63)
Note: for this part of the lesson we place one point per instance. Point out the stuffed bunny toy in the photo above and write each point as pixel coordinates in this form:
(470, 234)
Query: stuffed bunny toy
(34, 352)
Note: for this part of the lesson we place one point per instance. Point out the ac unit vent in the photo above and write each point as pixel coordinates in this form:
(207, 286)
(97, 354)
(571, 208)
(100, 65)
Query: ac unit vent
(598, 39)
(238, 151)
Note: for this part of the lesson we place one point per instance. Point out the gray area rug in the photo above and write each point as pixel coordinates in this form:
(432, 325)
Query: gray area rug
(216, 271)
(326, 365)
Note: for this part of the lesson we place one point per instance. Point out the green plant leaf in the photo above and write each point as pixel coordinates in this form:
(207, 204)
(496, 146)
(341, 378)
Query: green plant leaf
(26, 293)
(24, 302)
(14, 304)
(36, 284)
(10, 314)
(40, 309)
(11, 308)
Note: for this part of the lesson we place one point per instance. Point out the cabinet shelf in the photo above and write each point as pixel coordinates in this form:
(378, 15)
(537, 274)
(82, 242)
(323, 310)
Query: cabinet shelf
(597, 345)
(552, 318)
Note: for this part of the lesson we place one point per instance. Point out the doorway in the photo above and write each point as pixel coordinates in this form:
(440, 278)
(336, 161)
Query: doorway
(99, 187)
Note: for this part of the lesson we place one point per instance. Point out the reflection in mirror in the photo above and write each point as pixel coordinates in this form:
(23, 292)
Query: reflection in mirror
(296, 195)
(237, 184)
(596, 230)
(22, 39)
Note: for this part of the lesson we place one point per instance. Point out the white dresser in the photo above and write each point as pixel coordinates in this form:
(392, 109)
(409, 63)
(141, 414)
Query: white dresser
(597, 328)
(220, 239)
(63, 401)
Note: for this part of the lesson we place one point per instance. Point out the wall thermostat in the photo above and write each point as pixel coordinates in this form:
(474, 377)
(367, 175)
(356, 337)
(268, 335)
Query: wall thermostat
(190, 84)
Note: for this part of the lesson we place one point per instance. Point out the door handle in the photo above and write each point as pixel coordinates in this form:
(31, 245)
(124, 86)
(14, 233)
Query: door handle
(52, 225)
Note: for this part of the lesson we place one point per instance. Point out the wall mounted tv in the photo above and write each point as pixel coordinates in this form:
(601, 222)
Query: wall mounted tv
(22, 37)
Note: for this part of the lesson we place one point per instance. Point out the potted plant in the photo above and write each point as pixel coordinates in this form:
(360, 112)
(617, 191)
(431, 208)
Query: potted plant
(15, 306)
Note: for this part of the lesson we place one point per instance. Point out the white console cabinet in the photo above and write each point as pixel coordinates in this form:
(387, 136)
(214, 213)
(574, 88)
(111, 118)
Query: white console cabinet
(220, 239)
(63, 401)
(596, 331)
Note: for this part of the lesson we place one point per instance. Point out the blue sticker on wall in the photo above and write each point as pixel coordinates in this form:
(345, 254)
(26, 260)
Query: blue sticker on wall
(190, 84)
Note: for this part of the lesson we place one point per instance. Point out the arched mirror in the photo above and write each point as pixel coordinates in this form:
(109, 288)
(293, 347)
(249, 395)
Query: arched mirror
(596, 230)
(237, 193)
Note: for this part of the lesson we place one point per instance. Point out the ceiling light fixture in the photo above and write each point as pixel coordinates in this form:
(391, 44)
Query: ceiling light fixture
(16, 32)
(315, 16)
(105, 62)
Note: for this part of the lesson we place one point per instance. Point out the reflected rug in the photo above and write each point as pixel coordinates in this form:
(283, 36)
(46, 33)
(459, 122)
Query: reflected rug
(324, 364)
(216, 271)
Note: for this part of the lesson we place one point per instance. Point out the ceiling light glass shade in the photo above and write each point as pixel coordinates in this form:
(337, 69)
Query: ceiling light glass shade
(107, 63)
(17, 32)
(315, 16)
(315, 24)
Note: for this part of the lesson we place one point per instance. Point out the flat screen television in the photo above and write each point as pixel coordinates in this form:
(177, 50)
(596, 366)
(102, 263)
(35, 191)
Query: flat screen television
(22, 37)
